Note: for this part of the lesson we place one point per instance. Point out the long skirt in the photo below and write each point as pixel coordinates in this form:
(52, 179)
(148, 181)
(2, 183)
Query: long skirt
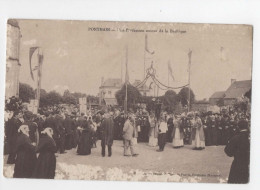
(197, 142)
(214, 136)
(45, 166)
(24, 164)
(153, 141)
(85, 144)
(177, 141)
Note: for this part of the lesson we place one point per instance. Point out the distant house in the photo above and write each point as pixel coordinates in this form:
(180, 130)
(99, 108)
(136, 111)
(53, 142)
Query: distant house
(108, 89)
(236, 90)
(216, 97)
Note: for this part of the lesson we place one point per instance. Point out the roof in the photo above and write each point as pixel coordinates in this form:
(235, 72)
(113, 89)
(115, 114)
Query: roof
(143, 87)
(238, 89)
(112, 83)
(217, 95)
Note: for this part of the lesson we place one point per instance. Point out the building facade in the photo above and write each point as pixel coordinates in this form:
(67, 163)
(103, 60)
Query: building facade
(12, 59)
(109, 87)
(107, 91)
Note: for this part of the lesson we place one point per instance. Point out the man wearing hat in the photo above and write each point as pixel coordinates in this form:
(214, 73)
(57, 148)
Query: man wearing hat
(107, 134)
(239, 148)
(129, 133)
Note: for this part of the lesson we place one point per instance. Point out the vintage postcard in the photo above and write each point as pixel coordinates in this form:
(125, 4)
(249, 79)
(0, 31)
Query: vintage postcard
(128, 101)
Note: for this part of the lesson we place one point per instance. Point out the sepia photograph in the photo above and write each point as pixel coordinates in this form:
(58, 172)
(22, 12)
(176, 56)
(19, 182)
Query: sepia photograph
(127, 101)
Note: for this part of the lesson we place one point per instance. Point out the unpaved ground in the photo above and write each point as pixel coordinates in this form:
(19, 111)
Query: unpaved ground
(211, 164)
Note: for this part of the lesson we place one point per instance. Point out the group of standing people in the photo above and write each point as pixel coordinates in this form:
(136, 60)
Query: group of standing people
(33, 156)
(32, 141)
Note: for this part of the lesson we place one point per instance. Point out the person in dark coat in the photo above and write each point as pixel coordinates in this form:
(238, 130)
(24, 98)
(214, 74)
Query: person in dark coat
(11, 134)
(239, 148)
(213, 131)
(107, 132)
(40, 120)
(68, 125)
(219, 130)
(75, 136)
(233, 129)
(170, 128)
(162, 133)
(225, 129)
(33, 128)
(46, 162)
(25, 154)
(85, 140)
(116, 127)
(59, 133)
(206, 128)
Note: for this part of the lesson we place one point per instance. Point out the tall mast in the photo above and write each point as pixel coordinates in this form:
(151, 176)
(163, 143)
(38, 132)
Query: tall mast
(40, 59)
(126, 80)
(189, 55)
(145, 43)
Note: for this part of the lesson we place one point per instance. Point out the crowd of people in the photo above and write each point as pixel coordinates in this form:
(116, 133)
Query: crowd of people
(31, 140)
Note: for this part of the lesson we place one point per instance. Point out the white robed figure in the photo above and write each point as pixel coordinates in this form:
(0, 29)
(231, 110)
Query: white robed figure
(153, 133)
(197, 135)
(177, 133)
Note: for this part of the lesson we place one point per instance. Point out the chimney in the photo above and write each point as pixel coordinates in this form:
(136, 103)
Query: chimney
(233, 80)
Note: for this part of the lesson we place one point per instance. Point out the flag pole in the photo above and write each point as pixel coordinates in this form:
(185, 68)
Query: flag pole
(189, 54)
(126, 81)
(40, 59)
(38, 78)
(145, 42)
(168, 74)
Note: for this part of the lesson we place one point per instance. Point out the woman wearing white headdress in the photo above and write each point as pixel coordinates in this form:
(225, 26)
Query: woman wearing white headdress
(46, 163)
(177, 133)
(153, 133)
(198, 137)
(25, 154)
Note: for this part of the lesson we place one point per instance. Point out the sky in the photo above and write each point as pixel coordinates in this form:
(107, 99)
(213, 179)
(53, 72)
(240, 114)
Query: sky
(76, 57)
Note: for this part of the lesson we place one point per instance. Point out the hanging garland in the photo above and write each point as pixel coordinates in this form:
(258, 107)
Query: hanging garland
(151, 72)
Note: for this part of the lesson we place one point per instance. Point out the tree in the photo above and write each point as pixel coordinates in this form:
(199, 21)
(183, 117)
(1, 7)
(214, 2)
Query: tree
(133, 96)
(170, 100)
(242, 104)
(78, 95)
(43, 98)
(53, 98)
(93, 99)
(248, 95)
(69, 98)
(26, 92)
(183, 96)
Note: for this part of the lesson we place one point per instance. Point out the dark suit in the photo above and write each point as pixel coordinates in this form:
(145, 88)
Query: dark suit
(12, 134)
(68, 125)
(239, 148)
(60, 134)
(107, 133)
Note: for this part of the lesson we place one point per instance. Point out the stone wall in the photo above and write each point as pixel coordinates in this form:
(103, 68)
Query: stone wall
(12, 59)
